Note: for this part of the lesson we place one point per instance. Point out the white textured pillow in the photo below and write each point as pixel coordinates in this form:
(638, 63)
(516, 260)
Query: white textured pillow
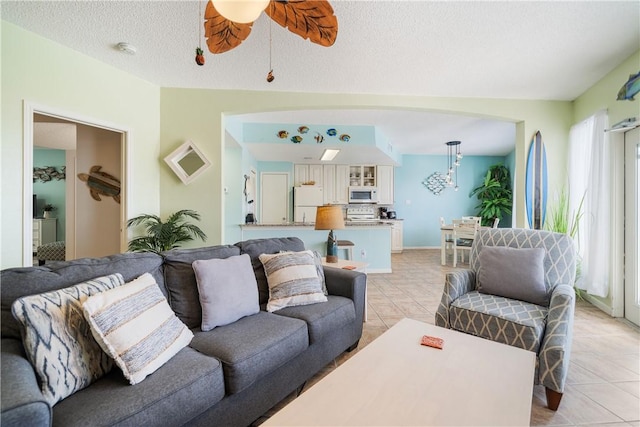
(227, 288)
(293, 279)
(57, 338)
(136, 327)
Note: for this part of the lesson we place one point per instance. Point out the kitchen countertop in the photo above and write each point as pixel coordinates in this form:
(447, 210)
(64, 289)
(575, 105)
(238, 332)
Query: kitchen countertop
(375, 223)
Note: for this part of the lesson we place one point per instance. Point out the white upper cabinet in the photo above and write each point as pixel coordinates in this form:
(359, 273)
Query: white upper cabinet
(307, 173)
(362, 176)
(336, 184)
(385, 185)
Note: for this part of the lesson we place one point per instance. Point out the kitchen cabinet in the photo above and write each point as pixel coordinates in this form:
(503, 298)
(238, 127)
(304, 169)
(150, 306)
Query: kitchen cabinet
(385, 184)
(44, 231)
(335, 180)
(362, 176)
(306, 173)
(397, 244)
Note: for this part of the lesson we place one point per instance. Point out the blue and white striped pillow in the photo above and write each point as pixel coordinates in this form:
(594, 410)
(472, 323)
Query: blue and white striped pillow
(136, 327)
(293, 279)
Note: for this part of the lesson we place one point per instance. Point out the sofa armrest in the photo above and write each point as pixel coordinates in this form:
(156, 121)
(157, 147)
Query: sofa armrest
(22, 402)
(456, 284)
(349, 284)
(556, 345)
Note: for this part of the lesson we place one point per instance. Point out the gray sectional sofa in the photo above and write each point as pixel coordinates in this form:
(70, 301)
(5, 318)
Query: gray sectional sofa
(228, 376)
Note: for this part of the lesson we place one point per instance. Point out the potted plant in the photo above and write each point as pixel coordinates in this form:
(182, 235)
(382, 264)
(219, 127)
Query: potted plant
(48, 208)
(495, 194)
(162, 236)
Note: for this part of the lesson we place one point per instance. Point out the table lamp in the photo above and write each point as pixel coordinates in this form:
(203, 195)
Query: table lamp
(329, 217)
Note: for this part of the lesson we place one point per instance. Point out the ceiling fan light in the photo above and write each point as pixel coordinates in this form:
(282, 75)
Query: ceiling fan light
(240, 11)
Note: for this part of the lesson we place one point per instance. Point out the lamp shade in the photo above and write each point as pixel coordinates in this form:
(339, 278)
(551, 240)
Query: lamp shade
(240, 11)
(329, 217)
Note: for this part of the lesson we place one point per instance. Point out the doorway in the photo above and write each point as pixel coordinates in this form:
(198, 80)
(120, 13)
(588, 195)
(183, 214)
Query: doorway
(632, 226)
(92, 228)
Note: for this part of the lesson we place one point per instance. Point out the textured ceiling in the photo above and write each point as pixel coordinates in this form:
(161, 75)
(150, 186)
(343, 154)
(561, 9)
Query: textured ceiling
(550, 50)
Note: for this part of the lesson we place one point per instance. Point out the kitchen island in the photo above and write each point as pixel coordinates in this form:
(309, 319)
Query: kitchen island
(372, 239)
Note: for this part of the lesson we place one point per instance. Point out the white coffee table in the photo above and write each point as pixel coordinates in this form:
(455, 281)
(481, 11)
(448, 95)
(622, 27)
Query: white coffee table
(396, 381)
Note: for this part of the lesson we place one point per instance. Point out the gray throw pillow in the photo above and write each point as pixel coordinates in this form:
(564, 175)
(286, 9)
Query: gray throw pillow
(513, 273)
(228, 290)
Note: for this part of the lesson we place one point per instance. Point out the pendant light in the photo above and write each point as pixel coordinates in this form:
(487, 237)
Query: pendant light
(453, 162)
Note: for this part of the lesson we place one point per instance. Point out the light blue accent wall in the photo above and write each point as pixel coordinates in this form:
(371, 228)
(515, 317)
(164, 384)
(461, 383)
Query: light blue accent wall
(421, 209)
(51, 192)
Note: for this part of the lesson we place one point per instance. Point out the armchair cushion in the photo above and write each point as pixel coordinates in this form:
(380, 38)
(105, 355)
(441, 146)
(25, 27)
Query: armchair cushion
(516, 273)
(508, 321)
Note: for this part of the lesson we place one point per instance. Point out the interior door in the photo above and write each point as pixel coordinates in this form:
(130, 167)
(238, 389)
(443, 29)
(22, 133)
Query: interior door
(632, 226)
(274, 197)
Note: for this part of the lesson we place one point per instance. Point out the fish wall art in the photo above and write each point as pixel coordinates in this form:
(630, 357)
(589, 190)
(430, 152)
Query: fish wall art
(630, 89)
(49, 173)
(101, 184)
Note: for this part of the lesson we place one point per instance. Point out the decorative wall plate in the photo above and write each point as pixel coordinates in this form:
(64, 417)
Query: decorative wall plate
(436, 183)
(344, 137)
(296, 139)
(283, 134)
(303, 129)
(332, 132)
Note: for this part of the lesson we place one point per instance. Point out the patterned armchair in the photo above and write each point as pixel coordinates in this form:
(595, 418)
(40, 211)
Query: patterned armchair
(545, 330)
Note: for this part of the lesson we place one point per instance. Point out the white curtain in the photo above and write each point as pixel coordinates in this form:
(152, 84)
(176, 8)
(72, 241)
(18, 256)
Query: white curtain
(590, 176)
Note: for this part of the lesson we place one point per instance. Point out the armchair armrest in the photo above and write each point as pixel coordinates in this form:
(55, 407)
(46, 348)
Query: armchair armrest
(22, 401)
(456, 284)
(349, 284)
(556, 344)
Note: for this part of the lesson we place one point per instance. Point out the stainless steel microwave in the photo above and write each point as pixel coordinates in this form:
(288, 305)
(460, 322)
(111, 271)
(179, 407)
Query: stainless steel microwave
(363, 195)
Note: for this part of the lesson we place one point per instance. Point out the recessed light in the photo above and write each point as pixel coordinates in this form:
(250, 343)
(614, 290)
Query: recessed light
(127, 48)
(329, 154)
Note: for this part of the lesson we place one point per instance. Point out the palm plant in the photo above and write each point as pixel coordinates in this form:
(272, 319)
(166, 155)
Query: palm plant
(162, 236)
(495, 195)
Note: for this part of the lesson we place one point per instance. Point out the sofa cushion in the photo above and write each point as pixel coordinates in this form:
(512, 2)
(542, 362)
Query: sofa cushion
(293, 279)
(508, 321)
(136, 327)
(18, 282)
(22, 402)
(256, 247)
(323, 319)
(227, 289)
(186, 386)
(253, 346)
(58, 341)
(180, 279)
(513, 273)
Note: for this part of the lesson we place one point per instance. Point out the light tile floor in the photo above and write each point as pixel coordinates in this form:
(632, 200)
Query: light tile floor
(604, 375)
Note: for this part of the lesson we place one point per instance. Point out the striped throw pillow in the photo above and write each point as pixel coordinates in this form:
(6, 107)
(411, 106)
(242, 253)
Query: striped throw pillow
(136, 327)
(293, 279)
(57, 338)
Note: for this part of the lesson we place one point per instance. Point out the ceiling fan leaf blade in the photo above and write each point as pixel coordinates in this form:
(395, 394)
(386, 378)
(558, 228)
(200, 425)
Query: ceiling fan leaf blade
(221, 34)
(313, 20)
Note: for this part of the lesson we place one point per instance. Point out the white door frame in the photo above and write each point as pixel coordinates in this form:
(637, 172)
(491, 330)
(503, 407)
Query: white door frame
(31, 108)
(632, 204)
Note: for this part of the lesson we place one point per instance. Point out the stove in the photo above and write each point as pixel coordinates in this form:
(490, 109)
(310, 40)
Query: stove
(361, 214)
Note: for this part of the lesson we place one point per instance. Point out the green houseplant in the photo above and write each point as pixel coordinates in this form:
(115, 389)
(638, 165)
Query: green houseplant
(495, 194)
(162, 236)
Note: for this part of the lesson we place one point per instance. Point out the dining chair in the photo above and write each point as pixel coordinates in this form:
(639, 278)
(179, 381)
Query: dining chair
(448, 241)
(495, 222)
(477, 219)
(464, 231)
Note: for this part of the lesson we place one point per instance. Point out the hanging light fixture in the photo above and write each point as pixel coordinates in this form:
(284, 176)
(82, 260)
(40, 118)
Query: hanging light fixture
(453, 162)
(240, 11)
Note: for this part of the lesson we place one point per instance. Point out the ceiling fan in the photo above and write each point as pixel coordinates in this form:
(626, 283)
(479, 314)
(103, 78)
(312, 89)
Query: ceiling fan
(310, 19)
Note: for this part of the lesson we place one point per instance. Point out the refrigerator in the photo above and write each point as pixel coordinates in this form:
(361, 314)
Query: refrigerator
(305, 201)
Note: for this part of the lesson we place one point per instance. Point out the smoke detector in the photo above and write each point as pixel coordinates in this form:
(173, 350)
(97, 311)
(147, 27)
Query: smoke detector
(127, 48)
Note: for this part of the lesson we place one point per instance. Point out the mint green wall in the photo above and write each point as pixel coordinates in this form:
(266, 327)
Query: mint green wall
(39, 71)
(51, 192)
(421, 209)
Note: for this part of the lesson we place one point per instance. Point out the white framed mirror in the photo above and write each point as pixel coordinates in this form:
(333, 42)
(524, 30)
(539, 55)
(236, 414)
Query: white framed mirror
(187, 162)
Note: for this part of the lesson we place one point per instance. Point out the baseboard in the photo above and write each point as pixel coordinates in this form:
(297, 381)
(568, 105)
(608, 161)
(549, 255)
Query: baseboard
(421, 247)
(597, 303)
